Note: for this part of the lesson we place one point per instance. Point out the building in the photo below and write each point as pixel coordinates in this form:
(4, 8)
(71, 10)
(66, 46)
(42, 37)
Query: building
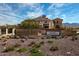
(57, 23)
(46, 23)
(7, 31)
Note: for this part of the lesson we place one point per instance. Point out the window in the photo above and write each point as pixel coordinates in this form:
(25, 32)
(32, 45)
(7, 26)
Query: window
(57, 26)
(46, 25)
(10, 30)
(45, 21)
(57, 22)
(3, 30)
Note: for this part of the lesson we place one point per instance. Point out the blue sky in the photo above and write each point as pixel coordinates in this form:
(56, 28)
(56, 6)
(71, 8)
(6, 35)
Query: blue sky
(11, 13)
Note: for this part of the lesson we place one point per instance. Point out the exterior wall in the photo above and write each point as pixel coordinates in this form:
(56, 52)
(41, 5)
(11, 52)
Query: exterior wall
(51, 25)
(44, 20)
(57, 22)
(6, 32)
(27, 32)
(41, 24)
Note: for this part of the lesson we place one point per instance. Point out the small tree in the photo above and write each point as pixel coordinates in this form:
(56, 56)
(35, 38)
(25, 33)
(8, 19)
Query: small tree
(29, 24)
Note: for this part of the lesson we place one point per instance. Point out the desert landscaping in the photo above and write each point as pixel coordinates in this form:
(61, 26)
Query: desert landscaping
(40, 47)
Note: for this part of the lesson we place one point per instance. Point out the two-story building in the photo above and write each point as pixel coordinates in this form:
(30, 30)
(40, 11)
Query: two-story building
(47, 23)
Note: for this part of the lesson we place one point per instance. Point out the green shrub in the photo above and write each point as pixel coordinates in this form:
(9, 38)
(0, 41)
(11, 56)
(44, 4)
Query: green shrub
(36, 46)
(36, 52)
(9, 49)
(22, 50)
(50, 41)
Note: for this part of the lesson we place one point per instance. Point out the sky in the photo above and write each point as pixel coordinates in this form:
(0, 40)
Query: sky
(14, 13)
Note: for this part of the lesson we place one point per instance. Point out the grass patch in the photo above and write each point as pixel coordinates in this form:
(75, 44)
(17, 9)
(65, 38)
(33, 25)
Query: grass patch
(36, 52)
(50, 41)
(8, 49)
(36, 46)
(12, 48)
(22, 50)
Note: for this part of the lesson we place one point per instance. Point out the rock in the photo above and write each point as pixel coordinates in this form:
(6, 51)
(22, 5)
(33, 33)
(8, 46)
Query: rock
(5, 40)
(3, 44)
(22, 40)
(68, 53)
(17, 37)
(39, 50)
(4, 48)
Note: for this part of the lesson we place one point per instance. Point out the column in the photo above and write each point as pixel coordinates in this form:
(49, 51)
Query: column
(13, 31)
(6, 31)
(0, 31)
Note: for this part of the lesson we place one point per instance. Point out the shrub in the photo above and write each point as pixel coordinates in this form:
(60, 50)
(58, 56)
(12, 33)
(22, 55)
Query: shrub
(74, 38)
(36, 52)
(22, 40)
(3, 36)
(4, 40)
(3, 44)
(17, 45)
(9, 49)
(22, 50)
(42, 42)
(17, 37)
(54, 48)
(32, 43)
(50, 41)
(48, 37)
(36, 46)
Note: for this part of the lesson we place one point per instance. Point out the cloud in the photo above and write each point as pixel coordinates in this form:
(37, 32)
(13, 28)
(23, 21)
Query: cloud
(55, 9)
(36, 10)
(4, 7)
(49, 16)
(71, 17)
(15, 13)
(56, 5)
(34, 14)
(29, 9)
(8, 16)
(30, 6)
(59, 5)
(5, 19)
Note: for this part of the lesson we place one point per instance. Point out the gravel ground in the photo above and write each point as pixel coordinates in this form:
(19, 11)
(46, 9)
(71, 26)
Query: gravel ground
(66, 47)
